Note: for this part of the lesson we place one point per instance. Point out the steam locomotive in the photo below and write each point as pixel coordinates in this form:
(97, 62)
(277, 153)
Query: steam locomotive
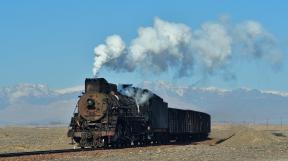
(107, 115)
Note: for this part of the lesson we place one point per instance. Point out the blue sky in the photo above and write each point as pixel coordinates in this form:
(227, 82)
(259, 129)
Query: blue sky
(52, 42)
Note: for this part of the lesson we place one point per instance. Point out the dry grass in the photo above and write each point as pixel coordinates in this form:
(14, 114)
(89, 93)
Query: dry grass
(249, 142)
(15, 139)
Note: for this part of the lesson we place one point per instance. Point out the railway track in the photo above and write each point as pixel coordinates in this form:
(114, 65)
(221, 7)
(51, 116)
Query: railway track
(211, 142)
(31, 153)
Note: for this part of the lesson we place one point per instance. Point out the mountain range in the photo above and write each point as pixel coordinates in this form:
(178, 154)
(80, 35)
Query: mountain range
(38, 104)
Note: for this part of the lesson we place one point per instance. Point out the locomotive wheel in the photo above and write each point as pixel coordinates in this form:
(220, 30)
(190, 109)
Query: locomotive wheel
(82, 143)
(76, 139)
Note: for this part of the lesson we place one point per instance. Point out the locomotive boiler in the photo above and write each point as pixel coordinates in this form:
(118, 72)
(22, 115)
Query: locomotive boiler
(110, 115)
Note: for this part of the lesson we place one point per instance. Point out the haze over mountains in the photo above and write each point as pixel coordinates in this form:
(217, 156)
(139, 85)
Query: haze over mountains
(38, 104)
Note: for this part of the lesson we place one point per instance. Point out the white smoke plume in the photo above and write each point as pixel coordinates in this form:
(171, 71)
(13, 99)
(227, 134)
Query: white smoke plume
(106, 52)
(167, 45)
(256, 41)
(140, 96)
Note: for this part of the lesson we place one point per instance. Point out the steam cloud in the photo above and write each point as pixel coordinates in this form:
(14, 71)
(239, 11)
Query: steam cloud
(104, 53)
(168, 45)
(140, 96)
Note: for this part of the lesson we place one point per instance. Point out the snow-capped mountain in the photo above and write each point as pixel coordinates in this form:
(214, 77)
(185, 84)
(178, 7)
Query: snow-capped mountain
(38, 104)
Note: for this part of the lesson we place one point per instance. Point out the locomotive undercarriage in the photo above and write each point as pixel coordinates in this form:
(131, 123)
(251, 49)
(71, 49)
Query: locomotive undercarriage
(118, 131)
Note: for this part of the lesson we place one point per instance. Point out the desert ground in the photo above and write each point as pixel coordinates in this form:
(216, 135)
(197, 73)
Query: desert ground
(227, 142)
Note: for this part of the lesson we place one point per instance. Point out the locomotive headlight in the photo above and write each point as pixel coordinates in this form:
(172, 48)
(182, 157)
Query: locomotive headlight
(90, 103)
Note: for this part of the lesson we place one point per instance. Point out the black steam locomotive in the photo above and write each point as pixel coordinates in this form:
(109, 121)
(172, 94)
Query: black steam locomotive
(107, 116)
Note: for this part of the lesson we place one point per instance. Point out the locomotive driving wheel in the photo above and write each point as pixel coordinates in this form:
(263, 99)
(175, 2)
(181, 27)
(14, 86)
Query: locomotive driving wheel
(99, 142)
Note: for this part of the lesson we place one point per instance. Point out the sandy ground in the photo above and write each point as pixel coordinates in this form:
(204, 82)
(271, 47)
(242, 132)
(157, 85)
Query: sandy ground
(244, 143)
